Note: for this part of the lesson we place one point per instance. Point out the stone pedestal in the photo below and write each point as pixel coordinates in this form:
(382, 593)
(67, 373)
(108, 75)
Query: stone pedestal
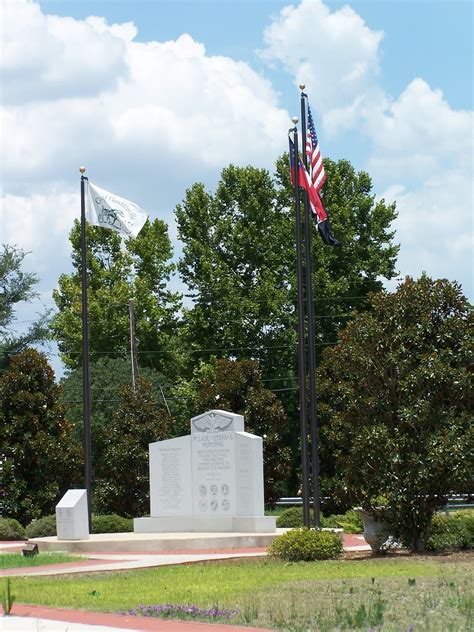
(72, 520)
(208, 481)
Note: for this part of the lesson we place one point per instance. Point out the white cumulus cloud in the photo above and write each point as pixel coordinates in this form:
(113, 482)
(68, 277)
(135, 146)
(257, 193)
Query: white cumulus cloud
(146, 118)
(420, 148)
(334, 53)
(45, 57)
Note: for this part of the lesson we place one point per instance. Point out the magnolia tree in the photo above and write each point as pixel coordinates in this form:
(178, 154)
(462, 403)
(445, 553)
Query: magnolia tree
(39, 459)
(395, 401)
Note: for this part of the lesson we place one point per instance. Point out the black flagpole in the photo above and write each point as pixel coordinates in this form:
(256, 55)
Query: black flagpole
(313, 410)
(301, 336)
(86, 396)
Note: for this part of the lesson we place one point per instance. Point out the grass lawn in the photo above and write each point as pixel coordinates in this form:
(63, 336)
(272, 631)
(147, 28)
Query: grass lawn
(430, 592)
(18, 560)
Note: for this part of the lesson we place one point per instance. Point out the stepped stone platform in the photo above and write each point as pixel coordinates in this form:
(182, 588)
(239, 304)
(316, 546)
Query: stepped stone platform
(151, 542)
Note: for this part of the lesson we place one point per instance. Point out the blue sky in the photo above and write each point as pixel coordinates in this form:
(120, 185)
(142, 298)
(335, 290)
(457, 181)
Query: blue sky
(428, 38)
(130, 88)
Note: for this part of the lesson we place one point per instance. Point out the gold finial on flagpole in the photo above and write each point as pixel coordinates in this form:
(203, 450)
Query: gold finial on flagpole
(82, 169)
(295, 120)
(302, 86)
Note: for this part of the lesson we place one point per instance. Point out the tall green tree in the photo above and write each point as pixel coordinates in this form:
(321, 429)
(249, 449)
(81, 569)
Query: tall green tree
(239, 261)
(396, 405)
(123, 486)
(107, 376)
(17, 286)
(38, 456)
(138, 272)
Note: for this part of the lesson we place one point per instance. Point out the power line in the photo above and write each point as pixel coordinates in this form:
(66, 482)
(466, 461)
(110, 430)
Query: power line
(171, 399)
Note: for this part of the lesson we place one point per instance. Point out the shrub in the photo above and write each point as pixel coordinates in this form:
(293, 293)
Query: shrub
(447, 532)
(306, 545)
(292, 518)
(42, 527)
(111, 524)
(11, 529)
(466, 519)
(349, 521)
(46, 526)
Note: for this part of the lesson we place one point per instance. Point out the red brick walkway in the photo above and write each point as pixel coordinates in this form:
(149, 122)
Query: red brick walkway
(125, 622)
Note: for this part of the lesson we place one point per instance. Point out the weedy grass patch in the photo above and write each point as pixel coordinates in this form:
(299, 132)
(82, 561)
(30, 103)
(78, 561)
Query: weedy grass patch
(18, 560)
(430, 593)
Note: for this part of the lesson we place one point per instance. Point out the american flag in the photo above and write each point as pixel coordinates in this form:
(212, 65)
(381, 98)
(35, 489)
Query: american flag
(319, 212)
(315, 166)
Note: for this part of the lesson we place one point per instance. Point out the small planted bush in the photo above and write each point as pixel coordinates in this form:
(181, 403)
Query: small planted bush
(306, 545)
(11, 529)
(350, 522)
(111, 524)
(292, 518)
(445, 534)
(466, 519)
(42, 527)
(455, 531)
(46, 526)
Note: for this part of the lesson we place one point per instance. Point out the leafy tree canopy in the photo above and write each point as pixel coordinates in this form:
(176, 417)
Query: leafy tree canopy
(39, 458)
(396, 405)
(107, 376)
(239, 261)
(140, 272)
(17, 286)
(123, 486)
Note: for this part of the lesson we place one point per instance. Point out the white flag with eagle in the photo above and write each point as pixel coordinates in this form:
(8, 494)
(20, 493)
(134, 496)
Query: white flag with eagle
(111, 211)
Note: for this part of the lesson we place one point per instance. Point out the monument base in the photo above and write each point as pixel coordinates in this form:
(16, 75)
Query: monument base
(205, 524)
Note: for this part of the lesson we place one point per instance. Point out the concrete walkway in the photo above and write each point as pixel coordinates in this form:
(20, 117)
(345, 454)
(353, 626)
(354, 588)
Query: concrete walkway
(103, 561)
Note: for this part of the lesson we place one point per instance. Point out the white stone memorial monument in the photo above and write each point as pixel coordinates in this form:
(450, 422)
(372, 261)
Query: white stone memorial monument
(72, 520)
(210, 480)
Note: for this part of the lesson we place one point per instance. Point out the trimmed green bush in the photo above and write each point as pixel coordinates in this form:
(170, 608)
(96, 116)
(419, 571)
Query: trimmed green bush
(450, 532)
(111, 524)
(42, 527)
(466, 518)
(292, 518)
(11, 529)
(349, 521)
(306, 545)
(46, 526)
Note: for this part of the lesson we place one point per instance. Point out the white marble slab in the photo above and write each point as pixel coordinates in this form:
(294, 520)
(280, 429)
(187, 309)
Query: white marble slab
(72, 519)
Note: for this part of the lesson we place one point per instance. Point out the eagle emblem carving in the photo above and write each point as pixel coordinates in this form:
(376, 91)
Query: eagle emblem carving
(213, 422)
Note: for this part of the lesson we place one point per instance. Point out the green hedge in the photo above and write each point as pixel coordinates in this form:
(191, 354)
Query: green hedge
(46, 526)
(453, 531)
(111, 524)
(11, 529)
(42, 527)
(306, 545)
(292, 518)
